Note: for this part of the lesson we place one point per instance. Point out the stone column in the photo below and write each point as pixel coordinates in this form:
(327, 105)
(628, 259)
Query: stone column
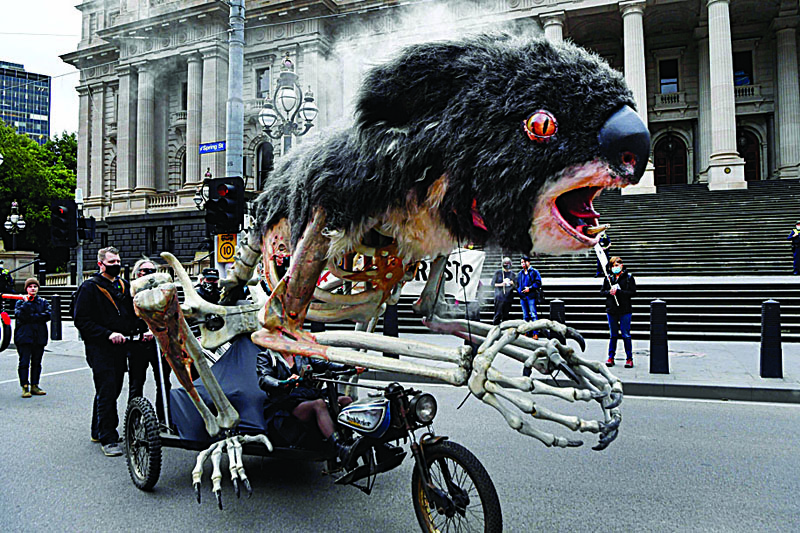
(95, 186)
(83, 139)
(126, 131)
(726, 170)
(704, 104)
(788, 108)
(145, 163)
(215, 81)
(635, 76)
(553, 24)
(194, 93)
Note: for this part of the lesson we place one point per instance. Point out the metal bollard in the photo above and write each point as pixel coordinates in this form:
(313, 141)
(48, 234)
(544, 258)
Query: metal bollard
(557, 313)
(55, 318)
(771, 356)
(317, 327)
(659, 351)
(42, 275)
(390, 326)
(73, 273)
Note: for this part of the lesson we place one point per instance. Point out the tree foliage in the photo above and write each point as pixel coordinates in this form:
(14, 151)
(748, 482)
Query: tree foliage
(34, 175)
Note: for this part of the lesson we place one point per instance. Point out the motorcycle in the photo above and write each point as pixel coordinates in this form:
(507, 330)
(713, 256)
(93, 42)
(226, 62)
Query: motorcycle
(450, 488)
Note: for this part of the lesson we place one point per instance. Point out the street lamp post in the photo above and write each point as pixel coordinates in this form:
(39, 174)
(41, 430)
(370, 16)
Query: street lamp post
(290, 112)
(14, 224)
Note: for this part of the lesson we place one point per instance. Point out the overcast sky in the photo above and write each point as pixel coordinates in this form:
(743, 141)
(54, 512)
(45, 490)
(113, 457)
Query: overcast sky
(39, 53)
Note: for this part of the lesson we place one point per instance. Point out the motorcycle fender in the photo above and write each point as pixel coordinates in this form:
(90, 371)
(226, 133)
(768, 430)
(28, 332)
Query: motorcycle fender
(431, 440)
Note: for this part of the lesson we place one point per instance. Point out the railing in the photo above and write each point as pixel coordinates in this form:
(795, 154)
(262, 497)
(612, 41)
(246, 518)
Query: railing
(193, 269)
(178, 118)
(111, 129)
(671, 100)
(162, 201)
(747, 92)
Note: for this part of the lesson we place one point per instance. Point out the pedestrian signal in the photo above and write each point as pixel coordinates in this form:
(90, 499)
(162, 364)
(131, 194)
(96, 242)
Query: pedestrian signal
(64, 223)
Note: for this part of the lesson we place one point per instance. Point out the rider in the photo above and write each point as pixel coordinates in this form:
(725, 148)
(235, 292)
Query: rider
(295, 397)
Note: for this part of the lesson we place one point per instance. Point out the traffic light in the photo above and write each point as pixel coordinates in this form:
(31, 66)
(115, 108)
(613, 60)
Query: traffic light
(64, 223)
(86, 228)
(225, 205)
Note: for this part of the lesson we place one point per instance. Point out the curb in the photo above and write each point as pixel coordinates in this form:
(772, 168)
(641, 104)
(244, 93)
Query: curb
(661, 390)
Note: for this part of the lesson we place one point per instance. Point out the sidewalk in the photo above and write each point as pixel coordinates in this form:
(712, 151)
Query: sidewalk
(698, 369)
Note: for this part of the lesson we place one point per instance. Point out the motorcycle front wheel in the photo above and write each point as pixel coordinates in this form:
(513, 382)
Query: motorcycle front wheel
(472, 502)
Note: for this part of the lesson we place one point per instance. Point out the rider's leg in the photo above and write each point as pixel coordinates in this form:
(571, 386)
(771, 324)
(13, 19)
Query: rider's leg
(315, 410)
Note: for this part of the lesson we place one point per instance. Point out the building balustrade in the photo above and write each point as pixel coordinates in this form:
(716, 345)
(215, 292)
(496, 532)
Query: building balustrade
(178, 119)
(111, 129)
(162, 201)
(747, 93)
(670, 100)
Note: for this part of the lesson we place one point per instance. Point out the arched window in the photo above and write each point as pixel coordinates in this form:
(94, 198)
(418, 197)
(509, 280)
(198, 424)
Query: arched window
(183, 168)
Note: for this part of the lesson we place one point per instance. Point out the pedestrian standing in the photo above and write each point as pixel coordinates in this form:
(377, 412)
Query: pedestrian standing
(528, 284)
(143, 353)
(104, 316)
(505, 283)
(30, 337)
(605, 244)
(208, 285)
(794, 236)
(618, 288)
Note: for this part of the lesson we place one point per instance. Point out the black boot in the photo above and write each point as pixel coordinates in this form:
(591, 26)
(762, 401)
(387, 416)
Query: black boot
(342, 450)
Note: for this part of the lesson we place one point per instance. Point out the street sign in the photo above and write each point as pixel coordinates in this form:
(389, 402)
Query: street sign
(207, 148)
(226, 248)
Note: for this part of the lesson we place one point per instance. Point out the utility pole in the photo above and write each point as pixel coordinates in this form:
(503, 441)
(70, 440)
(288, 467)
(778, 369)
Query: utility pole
(79, 248)
(234, 128)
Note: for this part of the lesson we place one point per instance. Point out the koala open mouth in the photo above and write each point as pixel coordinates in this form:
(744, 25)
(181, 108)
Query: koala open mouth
(574, 212)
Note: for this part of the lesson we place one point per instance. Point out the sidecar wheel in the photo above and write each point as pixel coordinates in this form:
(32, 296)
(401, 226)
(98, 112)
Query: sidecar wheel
(476, 506)
(142, 443)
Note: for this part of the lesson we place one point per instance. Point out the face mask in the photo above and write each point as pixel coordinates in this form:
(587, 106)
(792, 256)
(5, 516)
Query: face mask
(507, 267)
(112, 270)
(210, 287)
(616, 270)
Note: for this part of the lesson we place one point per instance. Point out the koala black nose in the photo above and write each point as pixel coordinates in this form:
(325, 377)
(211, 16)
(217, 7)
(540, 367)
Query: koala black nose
(625, 143)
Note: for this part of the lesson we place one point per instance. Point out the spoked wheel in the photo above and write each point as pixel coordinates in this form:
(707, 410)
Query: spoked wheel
(467, 500)
(142, 443)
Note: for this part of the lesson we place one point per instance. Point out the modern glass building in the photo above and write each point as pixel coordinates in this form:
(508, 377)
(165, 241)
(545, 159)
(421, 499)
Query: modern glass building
(25, 101)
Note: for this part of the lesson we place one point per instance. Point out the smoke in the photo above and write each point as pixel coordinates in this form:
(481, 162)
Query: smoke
(363, 41)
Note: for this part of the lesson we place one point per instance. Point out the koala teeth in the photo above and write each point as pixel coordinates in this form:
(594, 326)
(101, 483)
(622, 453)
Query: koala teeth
(591, 231)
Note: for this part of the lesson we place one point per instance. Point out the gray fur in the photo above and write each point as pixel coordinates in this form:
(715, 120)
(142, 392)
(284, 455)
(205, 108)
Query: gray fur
(456, 108)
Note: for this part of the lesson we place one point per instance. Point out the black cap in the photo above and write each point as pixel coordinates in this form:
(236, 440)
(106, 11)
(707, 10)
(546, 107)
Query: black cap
(211, 273)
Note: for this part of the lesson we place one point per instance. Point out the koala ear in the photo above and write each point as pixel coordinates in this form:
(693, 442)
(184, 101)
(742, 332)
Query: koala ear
(421, 82)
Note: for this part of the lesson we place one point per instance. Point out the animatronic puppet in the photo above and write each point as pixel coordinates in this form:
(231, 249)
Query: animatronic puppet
(490, 140)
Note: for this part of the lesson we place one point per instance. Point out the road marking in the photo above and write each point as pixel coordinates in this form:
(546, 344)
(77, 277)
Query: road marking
(48, 374)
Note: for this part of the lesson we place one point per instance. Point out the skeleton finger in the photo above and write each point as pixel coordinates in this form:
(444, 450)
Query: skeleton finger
(522, 426)
(230, 444)
(197, 473)
(216, 473)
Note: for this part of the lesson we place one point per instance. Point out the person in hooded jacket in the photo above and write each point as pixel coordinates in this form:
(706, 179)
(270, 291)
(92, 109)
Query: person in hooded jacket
(105, 318)
(30, 337)
(618, 288)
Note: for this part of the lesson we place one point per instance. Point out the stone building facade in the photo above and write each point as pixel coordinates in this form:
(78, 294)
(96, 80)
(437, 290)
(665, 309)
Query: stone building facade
(716, 80)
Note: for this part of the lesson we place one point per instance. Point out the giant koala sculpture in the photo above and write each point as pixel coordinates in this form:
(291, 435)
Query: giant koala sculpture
(490, 140)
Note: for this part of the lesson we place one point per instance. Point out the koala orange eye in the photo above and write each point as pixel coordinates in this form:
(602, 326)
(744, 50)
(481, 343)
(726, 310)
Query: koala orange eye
(541, 126)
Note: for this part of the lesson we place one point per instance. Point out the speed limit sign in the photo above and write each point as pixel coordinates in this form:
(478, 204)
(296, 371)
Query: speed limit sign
(226, 247)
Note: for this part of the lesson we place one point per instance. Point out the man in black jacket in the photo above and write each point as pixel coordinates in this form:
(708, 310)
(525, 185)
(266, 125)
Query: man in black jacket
(104, 316)
(618, 288)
